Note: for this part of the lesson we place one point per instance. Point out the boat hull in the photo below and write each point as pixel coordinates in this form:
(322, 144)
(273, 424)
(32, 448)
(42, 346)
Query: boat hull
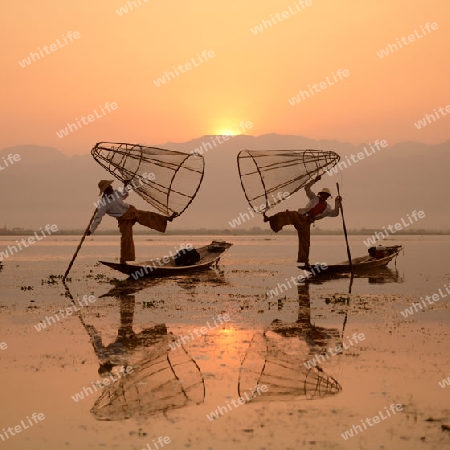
(362, 264)
(209, 256)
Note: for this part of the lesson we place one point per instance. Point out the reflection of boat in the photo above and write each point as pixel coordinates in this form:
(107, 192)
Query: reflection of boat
(364, 264)
(188, 282)
(376, 275)
(209, 256)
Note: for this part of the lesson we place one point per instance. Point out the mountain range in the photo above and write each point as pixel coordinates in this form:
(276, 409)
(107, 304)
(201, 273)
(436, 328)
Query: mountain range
(48, 187)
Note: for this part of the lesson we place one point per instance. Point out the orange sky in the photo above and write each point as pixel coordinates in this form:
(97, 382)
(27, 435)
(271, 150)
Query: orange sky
(250, 78)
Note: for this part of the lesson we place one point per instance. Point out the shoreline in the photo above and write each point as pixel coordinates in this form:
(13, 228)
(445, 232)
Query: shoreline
(255, 231)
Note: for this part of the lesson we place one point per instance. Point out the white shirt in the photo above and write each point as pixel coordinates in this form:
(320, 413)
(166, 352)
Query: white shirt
(314, 199)
(113, 205)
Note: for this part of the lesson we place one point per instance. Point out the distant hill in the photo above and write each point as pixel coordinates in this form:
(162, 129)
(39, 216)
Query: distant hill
(46, 186)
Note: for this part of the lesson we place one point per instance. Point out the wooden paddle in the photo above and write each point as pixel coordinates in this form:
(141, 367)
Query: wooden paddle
(79, 246)
(345, 234)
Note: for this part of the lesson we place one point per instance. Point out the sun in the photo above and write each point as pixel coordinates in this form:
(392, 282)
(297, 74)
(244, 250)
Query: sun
(226, 132)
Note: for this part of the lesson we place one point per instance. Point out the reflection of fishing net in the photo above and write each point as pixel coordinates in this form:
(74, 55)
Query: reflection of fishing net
(177, 175)
(268, 174)
(167, 381)
(285, 375)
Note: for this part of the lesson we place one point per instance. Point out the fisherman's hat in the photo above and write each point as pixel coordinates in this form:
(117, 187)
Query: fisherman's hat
(325, 191)
(103, 184)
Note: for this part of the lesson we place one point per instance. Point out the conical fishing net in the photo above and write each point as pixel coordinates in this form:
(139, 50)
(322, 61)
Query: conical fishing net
(284, 375)
(268, 176)
(168, 180)
(170, 379)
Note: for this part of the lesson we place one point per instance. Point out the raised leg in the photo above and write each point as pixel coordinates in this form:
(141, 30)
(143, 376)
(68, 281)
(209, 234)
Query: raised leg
(152, 220)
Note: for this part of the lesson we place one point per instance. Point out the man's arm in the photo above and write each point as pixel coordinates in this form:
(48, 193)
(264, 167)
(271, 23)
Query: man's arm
(308, 190)
(101, 211)
(125, 190)
(123, 194)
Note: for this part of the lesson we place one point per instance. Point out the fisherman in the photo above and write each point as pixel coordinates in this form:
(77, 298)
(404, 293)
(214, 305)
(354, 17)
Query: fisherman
(127, 215)
(316, 209)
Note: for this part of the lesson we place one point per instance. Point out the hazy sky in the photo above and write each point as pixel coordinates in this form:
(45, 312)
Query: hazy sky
(248, 76)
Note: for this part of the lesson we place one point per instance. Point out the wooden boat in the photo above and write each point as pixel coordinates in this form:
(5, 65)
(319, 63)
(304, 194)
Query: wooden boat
(362, 264)
(209, 256)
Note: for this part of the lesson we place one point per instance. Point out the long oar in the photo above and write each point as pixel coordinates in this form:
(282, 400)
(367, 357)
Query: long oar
(79, 246)
(345, 234)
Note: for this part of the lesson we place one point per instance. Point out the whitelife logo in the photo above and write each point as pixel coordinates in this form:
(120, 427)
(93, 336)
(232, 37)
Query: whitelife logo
(67, 39)
(68, 311)
(444, 383)
(11, 249)
(429, 298)
(71, 127)
(123, 372)
(299, 6)
(244, 217)
(205, 146)
(167, 76)
(203, 330)
(319, 87)
(355, 339)
(129, 6)
(18, 428)
(260, 388)
(360, 155)
(398, 226)
(406, 41)
(9, 161)
(435, 116)
(376, 419)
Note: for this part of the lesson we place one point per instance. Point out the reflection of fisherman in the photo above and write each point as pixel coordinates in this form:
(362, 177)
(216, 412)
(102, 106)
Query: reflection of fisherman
(279, 357)
(112, 204)
(316, 337)
(119, 352)
(161, 378)
(316, 209)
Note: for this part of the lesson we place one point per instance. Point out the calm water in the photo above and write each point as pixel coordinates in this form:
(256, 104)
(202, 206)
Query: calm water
(169, 394)
(423, 267)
